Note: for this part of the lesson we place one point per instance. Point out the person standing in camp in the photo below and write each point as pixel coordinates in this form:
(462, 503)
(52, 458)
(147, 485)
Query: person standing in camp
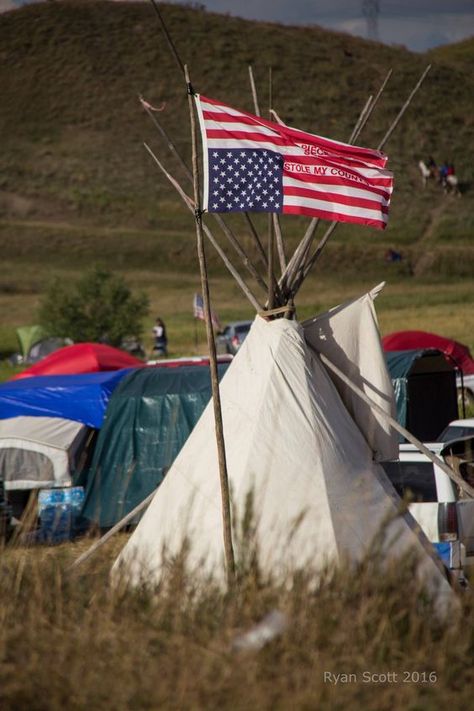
(160, 346)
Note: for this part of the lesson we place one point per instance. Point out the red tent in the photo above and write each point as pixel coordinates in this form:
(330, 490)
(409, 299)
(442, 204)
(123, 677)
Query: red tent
(81, 358)
(411, 340)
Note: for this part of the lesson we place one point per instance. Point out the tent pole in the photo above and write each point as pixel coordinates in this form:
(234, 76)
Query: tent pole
(364, 116)
(254, 92)
(310, 263)
(272, 219)
(224, 481)
(399, 428)
(300, 254)
(118, 526)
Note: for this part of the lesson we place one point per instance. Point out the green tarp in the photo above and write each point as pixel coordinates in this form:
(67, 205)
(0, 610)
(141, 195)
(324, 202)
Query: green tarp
(399, 364)
(28, 336)
(149, 418)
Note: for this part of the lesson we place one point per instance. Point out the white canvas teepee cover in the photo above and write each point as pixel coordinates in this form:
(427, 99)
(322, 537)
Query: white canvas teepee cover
(318, 496)
(348, 336)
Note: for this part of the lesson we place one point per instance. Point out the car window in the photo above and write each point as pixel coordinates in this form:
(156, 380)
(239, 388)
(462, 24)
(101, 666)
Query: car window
(241, 330)
(416, 480)
(455, 432)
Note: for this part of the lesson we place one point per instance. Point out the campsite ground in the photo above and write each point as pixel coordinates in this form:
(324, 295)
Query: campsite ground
(358, 640)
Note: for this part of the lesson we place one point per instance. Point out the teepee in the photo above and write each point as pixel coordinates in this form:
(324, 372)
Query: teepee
(318, 494)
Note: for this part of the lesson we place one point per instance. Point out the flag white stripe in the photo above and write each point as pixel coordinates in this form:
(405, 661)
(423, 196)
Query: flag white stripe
(244, 127)
(345, 190)
(329, 206)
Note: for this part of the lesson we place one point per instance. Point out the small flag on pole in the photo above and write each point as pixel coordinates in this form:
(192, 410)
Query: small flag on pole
(198, 312)
(251, 164)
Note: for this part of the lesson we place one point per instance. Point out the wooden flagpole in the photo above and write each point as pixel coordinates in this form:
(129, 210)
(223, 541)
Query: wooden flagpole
(224, 481)
(181, 66)
(275, 226)
(220, 221)
(225, 497)
(254, 92)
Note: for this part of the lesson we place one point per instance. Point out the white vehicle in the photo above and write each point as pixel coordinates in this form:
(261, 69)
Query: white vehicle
(435, 504)
(457, 429)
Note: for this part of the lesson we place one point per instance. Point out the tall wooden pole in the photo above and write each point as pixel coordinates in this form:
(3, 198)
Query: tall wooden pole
(216, 399)
(271, 233)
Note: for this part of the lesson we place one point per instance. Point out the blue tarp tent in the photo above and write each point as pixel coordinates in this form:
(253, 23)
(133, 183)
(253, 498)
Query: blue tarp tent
(83, 398)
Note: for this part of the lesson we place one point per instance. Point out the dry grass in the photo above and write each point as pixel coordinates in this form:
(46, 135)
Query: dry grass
(68, 641)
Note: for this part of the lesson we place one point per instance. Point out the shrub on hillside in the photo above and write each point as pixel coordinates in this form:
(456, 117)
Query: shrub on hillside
(99, 308)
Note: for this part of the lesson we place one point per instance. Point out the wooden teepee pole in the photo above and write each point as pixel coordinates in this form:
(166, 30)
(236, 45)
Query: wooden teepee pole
(300, 258)
(273, 224)
(224, 481)
(310, 263)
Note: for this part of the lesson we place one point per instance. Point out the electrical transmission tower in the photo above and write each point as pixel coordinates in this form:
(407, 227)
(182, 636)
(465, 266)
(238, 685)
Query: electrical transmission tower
(370, 10)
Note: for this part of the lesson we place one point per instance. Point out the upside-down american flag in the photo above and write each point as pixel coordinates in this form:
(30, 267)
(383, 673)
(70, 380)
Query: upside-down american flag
(255, 165)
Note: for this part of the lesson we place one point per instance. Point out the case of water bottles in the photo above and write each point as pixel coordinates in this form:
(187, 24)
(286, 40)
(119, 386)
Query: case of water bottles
(59, 513)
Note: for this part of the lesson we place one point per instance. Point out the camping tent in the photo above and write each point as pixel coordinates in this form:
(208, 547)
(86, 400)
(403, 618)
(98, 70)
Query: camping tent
(83, 398)
(295, 454)
(458, 353)
(425, 391)
(81, 358)
(40, 452)
(149, 418)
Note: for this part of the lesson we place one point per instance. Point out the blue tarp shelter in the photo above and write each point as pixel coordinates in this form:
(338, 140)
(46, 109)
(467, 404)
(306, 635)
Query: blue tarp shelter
(83, 398)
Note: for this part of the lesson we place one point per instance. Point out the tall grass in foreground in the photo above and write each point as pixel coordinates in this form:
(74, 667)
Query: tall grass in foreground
(69, 641)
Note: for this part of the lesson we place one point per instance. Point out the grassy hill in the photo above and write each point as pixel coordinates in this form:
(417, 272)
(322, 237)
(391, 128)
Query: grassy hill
(77, 186)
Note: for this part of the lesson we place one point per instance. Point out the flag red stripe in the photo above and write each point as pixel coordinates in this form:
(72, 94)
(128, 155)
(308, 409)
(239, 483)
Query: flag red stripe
(336, 198)
(332, 216)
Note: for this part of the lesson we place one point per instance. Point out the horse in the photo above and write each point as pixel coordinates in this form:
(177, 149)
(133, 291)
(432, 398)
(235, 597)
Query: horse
(450, 185)
(426, 173)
